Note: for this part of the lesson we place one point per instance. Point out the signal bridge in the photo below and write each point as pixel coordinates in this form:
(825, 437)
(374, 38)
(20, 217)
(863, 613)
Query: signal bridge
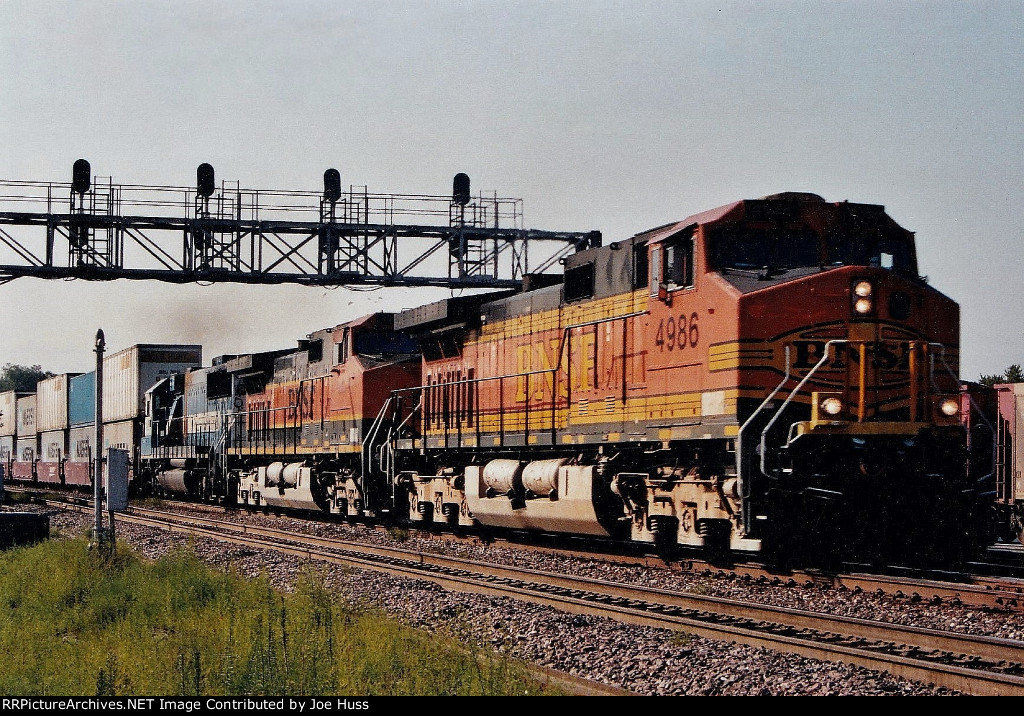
(94, 229)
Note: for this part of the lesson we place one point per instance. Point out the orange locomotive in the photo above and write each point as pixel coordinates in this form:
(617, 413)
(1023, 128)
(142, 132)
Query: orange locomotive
(282, 428)
(766, 375)
(299, 441)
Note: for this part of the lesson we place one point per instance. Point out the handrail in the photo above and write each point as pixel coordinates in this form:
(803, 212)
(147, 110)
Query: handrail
(981, 414)
(739, 444)
(785, 404)
(553, 370)
(389, 445)
(366, 453)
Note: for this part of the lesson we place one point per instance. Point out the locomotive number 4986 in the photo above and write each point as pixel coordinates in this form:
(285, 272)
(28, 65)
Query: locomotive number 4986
(673, 333)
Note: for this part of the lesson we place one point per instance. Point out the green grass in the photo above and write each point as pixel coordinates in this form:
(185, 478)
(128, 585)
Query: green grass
(20, 498)
(74, 623)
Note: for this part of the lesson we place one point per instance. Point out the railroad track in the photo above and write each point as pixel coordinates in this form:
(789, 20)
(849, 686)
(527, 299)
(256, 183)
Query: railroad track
(972, 664)
(997, 592)
(983, 588)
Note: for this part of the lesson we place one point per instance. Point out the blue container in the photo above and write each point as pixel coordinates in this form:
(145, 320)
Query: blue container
(82, 400)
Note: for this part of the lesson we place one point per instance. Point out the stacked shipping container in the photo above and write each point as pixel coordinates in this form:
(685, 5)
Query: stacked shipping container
(127, 375)
(8, 428)
(81, 419)
(26, 445)
(48, 436)
(52, 424)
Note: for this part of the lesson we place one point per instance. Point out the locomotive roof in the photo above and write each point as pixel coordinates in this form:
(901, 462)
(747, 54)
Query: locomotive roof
(705, 217)
(744, 208)
(446, 311)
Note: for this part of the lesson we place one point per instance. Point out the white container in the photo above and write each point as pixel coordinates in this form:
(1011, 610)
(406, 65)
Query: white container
(128, 374)
(6, 448)
(26, 449)
(27, 417)
(80, 444)
(52, 402)
(8, 413)
(77, 469)
(120, 435)
(53, 445)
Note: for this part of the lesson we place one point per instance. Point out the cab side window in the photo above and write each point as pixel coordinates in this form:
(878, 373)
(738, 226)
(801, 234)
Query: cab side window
(672, 263)
(343, 346)
(679, 262)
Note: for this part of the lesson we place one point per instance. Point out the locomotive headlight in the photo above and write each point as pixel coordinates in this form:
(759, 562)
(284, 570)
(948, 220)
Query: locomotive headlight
(949, 407)
(863, 297)
(832, 406)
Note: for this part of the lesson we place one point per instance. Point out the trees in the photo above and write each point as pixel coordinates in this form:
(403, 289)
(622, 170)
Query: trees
(1013, 374)
(21, 377)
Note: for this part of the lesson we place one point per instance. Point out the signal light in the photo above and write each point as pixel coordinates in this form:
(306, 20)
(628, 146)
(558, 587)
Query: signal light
(81, 174)
(332, 185)
(204, 180)
(460, 189)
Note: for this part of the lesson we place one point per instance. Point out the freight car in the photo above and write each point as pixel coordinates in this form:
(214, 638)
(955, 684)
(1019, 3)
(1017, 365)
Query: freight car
(994, 419)
(52, 424)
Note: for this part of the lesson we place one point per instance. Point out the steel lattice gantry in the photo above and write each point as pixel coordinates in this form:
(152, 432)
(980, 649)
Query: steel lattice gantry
(111, 231)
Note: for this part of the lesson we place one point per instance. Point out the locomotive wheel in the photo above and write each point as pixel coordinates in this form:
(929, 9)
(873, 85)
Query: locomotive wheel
(716, 539)
(664, 529)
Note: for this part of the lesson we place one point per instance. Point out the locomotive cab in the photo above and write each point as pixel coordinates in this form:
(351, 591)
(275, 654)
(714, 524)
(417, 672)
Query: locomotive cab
(853, 441)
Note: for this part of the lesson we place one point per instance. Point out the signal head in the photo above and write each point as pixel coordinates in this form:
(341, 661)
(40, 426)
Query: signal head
(332, 185)
(204, 180)
(460, 189)
(81, 174)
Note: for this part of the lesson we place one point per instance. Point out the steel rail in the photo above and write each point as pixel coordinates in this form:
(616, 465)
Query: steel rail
(987, 647)
(998, 593)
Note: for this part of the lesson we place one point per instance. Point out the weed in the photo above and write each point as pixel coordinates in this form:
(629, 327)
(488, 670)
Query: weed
(398, 534)
(80, 622)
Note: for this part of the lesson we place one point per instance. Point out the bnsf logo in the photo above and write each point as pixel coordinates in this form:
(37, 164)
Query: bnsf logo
(887, 360)
(881, 355)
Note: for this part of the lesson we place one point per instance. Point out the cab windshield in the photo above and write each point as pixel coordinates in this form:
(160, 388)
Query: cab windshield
(776, 251)
(756, 250)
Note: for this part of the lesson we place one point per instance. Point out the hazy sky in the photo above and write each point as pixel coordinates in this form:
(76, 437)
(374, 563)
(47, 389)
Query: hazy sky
(616, 116)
